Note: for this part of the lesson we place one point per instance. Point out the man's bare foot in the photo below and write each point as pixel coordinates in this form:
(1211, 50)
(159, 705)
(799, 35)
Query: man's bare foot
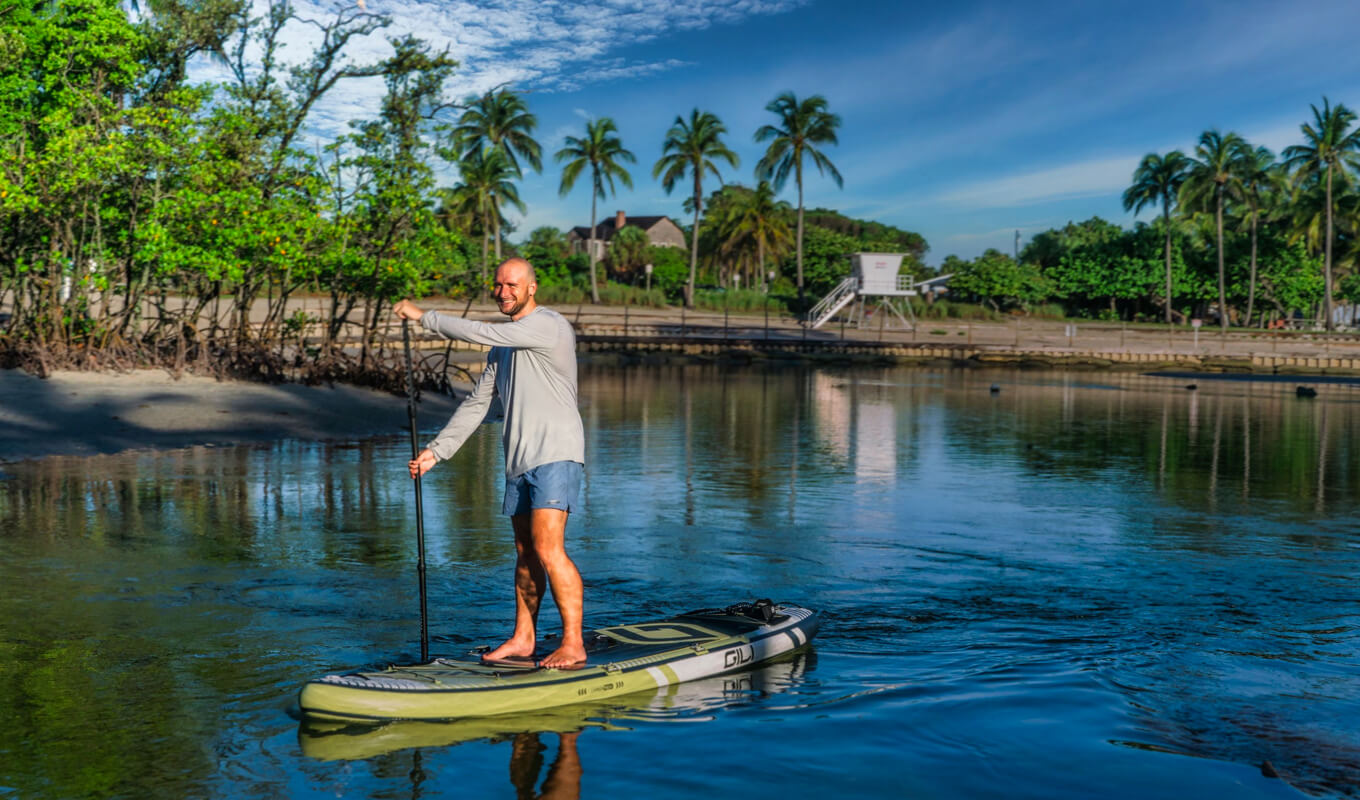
(511, 649)
(567, 656)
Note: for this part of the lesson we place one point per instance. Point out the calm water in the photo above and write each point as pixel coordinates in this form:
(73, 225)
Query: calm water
(1078, 586)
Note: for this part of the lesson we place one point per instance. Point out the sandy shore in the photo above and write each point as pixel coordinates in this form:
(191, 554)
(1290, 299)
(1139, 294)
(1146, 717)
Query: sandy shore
(78, 413)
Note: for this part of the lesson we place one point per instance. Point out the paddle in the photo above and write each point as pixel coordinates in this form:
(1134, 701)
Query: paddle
(420, 516)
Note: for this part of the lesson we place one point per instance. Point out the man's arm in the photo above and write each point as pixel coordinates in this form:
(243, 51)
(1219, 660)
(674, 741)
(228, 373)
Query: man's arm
(534, 331)
(466, 417)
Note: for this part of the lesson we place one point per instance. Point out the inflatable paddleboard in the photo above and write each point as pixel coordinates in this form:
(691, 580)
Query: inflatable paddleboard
(620, 660)
(676, 702)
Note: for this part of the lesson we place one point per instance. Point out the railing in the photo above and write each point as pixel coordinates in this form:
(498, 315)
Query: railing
(833, 302)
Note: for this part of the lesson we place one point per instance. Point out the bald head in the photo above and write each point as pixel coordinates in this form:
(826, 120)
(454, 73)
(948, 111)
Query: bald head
(519, 267)
(515, 287)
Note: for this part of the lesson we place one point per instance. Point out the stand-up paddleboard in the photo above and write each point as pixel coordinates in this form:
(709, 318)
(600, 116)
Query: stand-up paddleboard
(330, 740)
(619, 660)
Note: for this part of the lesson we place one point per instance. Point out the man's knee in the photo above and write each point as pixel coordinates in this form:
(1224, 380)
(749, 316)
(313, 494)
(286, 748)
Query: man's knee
(549, 535)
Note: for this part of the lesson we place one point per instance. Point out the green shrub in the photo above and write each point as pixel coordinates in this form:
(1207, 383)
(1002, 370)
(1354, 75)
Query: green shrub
(612, 294)
(618, 294)
(670, 270)
(564, 294)
(950, 309)
(737, 300)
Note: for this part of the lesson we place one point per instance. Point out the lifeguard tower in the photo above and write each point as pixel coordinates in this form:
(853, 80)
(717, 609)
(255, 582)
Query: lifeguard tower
(874, 281)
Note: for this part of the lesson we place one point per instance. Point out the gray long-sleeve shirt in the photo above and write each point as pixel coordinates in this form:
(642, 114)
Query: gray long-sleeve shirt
(532, 368)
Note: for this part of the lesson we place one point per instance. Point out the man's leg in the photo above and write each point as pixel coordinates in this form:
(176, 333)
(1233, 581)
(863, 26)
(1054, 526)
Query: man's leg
(530, 585)
(548, 529)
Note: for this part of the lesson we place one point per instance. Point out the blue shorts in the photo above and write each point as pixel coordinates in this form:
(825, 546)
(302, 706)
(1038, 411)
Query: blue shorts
(554, 485)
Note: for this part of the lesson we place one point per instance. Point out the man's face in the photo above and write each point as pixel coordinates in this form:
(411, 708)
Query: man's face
(513, 290)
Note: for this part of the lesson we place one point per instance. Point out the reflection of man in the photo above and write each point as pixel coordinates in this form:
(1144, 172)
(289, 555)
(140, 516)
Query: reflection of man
(532, 369)
(563, 781)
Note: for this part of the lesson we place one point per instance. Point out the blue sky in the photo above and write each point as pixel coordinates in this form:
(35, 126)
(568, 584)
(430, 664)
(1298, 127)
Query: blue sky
(964, 121)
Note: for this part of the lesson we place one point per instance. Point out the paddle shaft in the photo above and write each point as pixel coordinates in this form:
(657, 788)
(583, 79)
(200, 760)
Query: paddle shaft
(420, 516)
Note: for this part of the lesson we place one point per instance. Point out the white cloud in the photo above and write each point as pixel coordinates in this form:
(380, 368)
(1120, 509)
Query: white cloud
(1082, 179)
(535, 45)
(552, 45)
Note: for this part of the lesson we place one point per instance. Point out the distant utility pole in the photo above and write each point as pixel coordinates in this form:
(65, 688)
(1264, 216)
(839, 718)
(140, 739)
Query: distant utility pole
(1017, 246)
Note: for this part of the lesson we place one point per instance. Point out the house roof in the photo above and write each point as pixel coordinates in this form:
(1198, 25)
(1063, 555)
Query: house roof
(605, 230)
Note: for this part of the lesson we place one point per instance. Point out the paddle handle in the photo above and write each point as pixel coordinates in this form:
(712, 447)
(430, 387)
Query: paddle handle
(420, 515)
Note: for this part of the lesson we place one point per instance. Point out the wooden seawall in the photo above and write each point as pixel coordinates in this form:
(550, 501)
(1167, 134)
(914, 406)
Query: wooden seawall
(1247, 352)
(748, 348)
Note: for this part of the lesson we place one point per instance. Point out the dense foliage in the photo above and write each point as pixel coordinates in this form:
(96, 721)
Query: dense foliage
(1242, 238)
(143, 218)
(1097, 269)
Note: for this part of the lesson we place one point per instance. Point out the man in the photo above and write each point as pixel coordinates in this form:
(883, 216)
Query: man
(532, 369)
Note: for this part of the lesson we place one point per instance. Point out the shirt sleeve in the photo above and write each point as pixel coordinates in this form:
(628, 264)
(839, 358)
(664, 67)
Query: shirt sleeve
(466, 417)
(535, 331)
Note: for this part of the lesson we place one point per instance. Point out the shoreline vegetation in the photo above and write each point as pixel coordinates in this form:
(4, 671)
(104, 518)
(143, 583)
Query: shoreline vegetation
(148, 220)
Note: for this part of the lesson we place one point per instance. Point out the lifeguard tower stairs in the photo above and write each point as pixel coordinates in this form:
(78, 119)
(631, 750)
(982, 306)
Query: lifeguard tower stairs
(874, 293)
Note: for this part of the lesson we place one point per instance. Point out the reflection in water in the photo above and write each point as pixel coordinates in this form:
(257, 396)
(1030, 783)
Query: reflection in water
(857, 422)
(563, 781)
(1016, 577)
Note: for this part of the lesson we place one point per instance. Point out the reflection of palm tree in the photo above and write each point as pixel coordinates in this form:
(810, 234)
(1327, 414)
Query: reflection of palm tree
(499, 121)
(805, 125)
(1215, 174)
(1331, 150)
(691, 148)
(601, 151)
(487, 186)
(1158, 179)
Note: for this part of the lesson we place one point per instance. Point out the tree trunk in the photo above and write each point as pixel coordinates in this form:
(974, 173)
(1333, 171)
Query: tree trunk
(590, 254)
(694, 240)
(800, 236)
(1222, 288)
(760, 259)
(1327, 262)
(363, 337)
(1166, 222)
(1251, 284)
(496, 228)
(481, 288)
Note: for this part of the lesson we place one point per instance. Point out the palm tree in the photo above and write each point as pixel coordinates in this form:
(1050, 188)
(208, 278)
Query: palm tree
(601, 151)
(758, 219)
(498, 120)
(1331, 147)
(1260, 179)
(802, 127)
(691, 148)
(487, 186)
(1158, 179)
(1215, 173)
